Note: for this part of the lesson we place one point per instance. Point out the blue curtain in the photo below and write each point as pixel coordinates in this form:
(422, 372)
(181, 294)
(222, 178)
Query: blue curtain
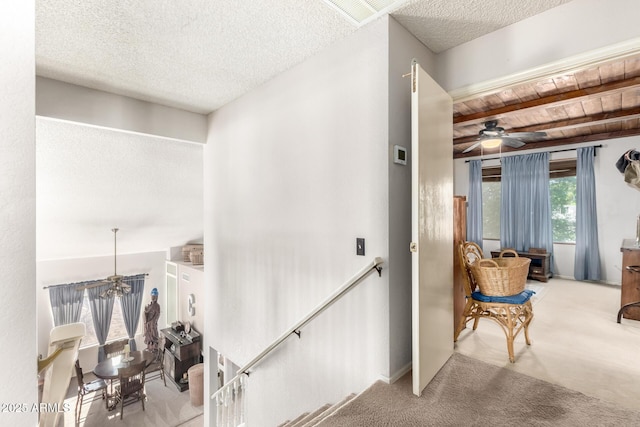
(131, 304)
(474, 211)
(101, 311)
(66, 302)
(525, 205)
(587, 260)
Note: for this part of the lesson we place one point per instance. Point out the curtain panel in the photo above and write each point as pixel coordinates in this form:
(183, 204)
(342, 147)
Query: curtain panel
(131, 304)
(101, 312)
(66, 302)
(587, 258)
(525, 205)
(474, 210)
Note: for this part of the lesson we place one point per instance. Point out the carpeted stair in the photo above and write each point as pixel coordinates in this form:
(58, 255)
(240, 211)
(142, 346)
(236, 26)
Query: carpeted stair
(467, 391)
(311, 419)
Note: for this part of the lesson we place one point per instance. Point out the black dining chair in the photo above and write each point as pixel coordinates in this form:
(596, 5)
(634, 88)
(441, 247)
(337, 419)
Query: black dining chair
(115, 348)
(131, 384)
(85, 388)
(156, 368)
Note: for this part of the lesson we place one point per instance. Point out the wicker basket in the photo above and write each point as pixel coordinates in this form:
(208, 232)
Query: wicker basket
(197, 256)
(501, 276)
(186, 251)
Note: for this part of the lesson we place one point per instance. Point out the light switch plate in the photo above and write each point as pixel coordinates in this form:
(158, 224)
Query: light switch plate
(360, 246)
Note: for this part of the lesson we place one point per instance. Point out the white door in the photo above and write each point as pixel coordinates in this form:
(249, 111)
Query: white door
(432, 227)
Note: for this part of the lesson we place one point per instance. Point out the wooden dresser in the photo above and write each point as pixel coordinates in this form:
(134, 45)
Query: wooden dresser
(630, 292)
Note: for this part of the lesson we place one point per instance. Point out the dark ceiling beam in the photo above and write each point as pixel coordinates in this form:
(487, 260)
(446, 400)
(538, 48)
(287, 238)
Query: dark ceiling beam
(551, 101)
(549, 143)
(568, 124)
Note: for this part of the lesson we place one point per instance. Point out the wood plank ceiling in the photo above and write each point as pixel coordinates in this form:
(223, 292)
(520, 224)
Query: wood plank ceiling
(586, 105)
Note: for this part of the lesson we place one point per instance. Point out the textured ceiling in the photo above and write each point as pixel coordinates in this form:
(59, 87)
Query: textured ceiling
(196, 55)
(201, 54)
(443, 24)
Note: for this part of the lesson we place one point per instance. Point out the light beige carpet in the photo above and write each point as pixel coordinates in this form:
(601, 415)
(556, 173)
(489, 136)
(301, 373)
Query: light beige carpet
(164, 407)
(468, 392)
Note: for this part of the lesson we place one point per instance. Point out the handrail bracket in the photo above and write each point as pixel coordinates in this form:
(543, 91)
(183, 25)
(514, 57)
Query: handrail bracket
(379, 270)
(298, 333)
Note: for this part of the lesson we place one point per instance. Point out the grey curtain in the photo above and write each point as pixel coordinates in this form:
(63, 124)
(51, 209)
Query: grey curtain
(587, 259)
(131, 304)
(101, 311)
(474, 211)
(66, 302)
(525, 205)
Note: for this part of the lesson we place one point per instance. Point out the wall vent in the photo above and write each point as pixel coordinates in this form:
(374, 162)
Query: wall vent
(362, 11)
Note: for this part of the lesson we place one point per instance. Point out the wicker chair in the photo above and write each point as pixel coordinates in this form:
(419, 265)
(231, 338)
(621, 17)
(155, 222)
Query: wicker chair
(131, 384)
(513, 313)
(87, 388)
(115, 348)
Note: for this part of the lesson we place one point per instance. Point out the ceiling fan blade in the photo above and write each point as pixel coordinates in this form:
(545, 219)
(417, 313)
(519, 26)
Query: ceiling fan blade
(471, 147)
(512, 142)
(527, 135)
(93, 285)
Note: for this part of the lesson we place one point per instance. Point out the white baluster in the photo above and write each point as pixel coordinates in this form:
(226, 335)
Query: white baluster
(219, 410)
(244, 380)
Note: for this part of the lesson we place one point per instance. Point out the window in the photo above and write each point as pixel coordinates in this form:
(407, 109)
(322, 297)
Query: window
(562, 190)
(563, 209)
(491, 210)
(117, 330)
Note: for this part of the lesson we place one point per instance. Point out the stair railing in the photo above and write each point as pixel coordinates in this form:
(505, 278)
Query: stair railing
(230, 397)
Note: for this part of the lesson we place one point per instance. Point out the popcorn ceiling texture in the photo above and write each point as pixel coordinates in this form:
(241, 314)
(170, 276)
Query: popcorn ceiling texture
(201, 54)
(197, 54)
(443, 24)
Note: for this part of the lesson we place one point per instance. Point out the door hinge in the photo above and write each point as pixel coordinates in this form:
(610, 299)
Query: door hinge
(413, 247)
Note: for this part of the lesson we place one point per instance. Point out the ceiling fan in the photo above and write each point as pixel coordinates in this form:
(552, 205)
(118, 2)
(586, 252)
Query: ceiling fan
(118, 286)
(493, 136)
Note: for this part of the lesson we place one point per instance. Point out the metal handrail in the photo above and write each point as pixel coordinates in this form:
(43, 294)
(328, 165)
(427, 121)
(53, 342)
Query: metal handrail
(295, 329)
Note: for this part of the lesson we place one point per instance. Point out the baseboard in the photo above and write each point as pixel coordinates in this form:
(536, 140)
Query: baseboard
(398, 374)
(602, 282)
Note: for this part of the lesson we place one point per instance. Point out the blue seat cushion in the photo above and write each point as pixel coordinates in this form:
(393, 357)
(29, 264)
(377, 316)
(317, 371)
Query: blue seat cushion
(520, 298)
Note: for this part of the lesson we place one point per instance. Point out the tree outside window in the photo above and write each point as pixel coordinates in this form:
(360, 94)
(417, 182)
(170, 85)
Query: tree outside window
(563, 209)
(562, 191)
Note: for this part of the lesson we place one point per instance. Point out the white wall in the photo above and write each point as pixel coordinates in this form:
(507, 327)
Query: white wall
(191, 282)
(78, 270)
(294, 172)
(618, 207)
(17, 211)
(567, 30)
(90, 180)
(103, 109)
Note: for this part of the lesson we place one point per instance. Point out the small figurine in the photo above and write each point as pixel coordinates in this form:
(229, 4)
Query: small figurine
(151, 315)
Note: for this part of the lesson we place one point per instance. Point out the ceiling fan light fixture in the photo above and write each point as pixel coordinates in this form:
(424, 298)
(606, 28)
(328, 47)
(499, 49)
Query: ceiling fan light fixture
(491, 142)
(115, 291)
